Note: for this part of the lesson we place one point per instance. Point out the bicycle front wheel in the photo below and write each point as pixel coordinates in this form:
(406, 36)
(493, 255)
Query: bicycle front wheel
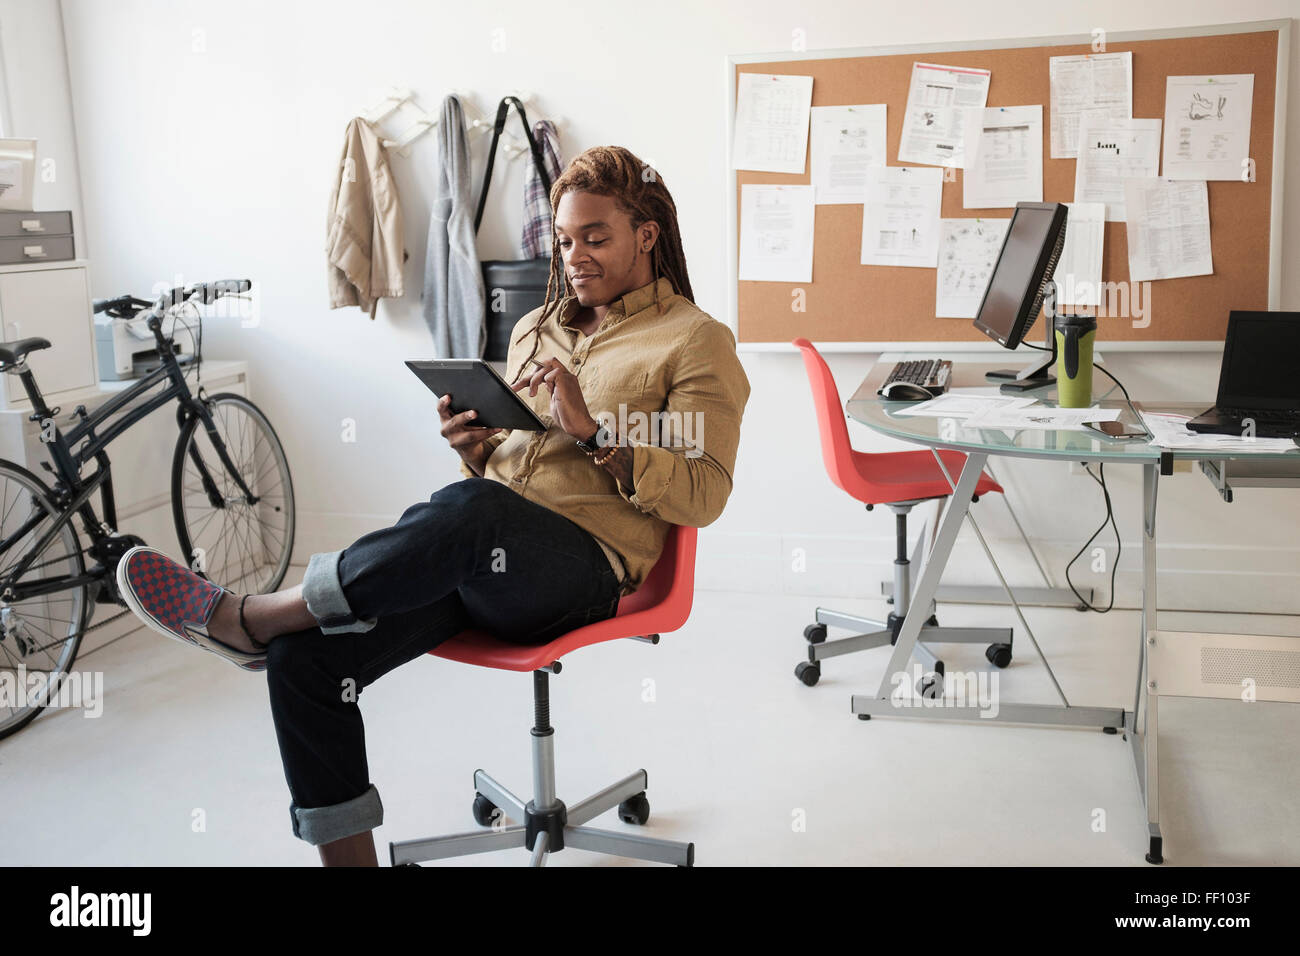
(234, 541)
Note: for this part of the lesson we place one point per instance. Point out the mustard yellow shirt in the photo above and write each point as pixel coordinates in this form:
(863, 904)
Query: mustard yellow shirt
(670, 385)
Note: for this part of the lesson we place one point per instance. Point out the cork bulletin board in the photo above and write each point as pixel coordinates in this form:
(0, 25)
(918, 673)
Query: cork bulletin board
(871, 308)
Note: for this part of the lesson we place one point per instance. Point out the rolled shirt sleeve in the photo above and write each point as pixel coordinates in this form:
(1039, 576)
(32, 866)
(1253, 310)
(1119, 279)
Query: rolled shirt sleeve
(492, 441)
(689, 481)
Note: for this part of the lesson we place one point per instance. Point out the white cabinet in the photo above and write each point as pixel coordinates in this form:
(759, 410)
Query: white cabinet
(49, 301)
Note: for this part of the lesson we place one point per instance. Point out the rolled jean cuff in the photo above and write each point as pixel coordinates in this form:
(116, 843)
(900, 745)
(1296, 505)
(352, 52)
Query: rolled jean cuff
(323, 592)
(319, 825)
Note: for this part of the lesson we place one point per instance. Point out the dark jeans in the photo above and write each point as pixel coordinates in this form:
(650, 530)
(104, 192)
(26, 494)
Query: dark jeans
(476, 554)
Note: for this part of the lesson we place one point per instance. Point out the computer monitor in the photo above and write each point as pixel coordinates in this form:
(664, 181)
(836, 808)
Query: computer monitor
(1021, 280)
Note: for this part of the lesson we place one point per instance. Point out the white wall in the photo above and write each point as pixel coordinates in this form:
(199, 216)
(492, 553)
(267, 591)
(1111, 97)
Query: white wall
(208, 152)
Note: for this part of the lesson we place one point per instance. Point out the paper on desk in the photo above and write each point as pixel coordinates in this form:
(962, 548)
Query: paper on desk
(1095, 84)
(1168, 229)
(772, 122)
(846, 141)
(968, 250)
(900, 218)
(954, 404)
(1004, 156)
(1041, 417)
(1109, 153)
(1078, 274)
(776, 232)
(1171, 431)
(1207, 126)
(933, 126)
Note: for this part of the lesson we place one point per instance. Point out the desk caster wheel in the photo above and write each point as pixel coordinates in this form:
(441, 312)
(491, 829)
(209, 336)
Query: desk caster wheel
(635, 809)
(1155, 856)
(814, 633)
(808, 672)
(999, 655)
(484, 810)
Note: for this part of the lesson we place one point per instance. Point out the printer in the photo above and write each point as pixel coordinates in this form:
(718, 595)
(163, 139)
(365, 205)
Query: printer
(126, 348)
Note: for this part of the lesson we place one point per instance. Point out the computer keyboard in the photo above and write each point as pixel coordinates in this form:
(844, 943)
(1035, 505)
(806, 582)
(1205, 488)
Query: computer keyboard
(1273, 416)
(930, 374)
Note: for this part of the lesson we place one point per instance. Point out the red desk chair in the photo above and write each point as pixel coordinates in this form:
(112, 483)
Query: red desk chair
(545, 825)
(899, 480)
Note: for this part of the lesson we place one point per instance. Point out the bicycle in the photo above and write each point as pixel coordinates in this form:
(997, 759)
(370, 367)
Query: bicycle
(228, 463)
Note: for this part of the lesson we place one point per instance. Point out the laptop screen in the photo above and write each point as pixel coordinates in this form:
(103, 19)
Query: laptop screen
(1259, 361)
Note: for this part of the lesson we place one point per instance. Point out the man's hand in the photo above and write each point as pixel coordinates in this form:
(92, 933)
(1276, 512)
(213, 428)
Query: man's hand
(463, 435)
(568, 407)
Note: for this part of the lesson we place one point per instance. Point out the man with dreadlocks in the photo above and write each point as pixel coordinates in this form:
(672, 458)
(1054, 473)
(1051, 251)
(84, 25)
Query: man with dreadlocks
(547, 531)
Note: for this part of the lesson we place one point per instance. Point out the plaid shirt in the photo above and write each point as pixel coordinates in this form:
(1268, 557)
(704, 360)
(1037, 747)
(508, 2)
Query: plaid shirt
(537, 204)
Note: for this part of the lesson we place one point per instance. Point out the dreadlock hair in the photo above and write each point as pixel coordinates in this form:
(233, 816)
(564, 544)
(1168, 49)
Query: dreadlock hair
(640, 192)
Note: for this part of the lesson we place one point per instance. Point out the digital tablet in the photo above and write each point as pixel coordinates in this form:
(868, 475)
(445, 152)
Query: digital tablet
(472, 383)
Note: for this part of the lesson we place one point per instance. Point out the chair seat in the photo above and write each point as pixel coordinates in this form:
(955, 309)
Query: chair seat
(661, 604)
(13, 352)
(889, 477)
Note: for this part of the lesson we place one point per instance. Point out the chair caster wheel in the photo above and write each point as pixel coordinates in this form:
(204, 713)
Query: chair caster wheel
(635, 809)
(808, 672)
(999, 655)
(814, 633)
(484, 810)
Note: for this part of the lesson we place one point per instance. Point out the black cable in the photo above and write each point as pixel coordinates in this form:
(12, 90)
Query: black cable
(1119, 545)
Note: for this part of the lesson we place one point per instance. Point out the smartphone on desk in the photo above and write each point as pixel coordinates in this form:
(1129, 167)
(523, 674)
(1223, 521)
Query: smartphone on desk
(1117, 431)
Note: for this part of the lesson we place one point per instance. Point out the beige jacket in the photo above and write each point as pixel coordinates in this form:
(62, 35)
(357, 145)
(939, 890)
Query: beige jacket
(364, 244)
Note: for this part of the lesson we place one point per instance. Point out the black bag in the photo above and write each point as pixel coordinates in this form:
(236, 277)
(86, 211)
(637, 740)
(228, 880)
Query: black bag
(512, 287)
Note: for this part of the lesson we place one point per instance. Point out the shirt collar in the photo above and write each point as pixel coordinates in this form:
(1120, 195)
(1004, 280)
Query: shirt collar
(630, 304)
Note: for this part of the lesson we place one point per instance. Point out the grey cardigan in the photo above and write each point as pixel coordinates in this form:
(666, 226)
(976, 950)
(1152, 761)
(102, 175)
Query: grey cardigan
(454, 298)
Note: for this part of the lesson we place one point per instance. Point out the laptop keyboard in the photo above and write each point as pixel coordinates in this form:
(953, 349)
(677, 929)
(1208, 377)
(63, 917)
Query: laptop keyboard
(1271, 416)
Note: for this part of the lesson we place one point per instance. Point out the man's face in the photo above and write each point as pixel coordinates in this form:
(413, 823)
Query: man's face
(602, 254)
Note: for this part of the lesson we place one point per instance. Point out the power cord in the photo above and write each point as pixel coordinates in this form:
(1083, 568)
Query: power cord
(1119, 546)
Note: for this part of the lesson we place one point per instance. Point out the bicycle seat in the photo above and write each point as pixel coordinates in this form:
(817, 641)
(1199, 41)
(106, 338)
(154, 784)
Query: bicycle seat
(12, 353)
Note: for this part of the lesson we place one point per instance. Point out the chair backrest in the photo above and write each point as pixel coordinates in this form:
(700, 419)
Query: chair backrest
(669, 589)
(837, 452)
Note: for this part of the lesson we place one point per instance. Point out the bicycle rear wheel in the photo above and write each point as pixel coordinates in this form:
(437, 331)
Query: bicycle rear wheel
(39, 635)
(236, 543)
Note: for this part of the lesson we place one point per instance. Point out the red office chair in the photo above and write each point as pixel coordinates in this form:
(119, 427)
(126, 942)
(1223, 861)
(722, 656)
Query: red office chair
(899, 480)
(545, 825)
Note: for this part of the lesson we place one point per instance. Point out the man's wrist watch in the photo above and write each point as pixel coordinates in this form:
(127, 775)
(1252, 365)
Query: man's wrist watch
(602, 438)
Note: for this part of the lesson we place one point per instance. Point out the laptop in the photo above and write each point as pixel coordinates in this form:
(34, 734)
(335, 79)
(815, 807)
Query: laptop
(1258, 380)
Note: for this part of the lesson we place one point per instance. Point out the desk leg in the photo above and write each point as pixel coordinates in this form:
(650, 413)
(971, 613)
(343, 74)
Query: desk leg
(954, 513)
(1146, 699)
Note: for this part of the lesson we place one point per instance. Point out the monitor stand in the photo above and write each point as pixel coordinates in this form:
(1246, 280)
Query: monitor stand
(1037, 374)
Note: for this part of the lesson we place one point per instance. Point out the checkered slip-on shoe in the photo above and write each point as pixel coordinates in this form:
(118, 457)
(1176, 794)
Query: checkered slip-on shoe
(176, 603)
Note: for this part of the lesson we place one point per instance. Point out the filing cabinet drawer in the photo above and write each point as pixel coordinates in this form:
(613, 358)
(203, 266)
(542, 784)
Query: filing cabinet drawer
(19, 223)
(36, 248)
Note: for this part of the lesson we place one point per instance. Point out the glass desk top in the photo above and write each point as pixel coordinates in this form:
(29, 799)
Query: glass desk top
(869, 409)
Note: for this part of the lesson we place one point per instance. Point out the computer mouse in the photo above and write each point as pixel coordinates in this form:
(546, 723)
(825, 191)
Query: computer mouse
(904, 392)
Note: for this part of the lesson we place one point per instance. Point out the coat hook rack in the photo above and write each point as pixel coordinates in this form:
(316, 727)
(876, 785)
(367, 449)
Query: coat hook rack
(397, 98)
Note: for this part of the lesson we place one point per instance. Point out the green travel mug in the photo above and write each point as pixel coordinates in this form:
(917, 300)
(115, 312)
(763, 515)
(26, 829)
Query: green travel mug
(1074, 338)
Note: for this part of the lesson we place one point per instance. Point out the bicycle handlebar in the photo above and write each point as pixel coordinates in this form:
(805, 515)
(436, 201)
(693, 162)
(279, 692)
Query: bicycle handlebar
(128, 306)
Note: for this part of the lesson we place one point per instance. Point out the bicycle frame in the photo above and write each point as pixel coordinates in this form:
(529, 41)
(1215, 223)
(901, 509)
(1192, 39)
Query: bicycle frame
(72, 493)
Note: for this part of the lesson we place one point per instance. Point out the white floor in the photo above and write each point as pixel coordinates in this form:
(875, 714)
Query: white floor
(182, 768)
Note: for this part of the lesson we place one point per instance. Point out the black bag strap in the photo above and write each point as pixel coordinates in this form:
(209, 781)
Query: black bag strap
(503, 110)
